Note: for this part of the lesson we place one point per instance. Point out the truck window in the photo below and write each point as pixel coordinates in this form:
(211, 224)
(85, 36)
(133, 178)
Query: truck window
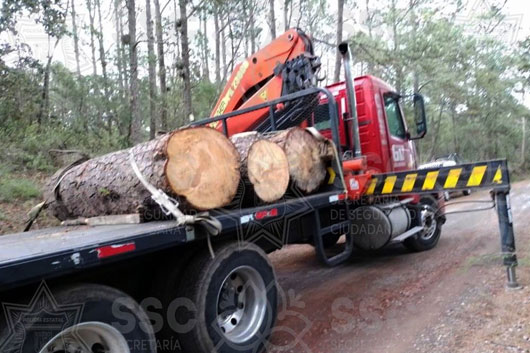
(393, 115)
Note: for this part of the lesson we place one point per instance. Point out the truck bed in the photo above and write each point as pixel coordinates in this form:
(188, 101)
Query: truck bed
(45, 253)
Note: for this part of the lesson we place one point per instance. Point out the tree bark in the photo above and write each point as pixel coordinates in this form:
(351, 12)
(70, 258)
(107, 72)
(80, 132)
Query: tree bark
(306, 166)
(272, 19)
(135, 133)
(76, 39)
(184, 40)
(161, 67)
(338, 58)
(151, 59)
(200, 166)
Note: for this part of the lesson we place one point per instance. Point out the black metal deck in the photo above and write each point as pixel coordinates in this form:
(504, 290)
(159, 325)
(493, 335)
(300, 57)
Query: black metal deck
(40, 254)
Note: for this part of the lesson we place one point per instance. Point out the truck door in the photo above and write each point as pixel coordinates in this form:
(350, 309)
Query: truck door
(400, 149)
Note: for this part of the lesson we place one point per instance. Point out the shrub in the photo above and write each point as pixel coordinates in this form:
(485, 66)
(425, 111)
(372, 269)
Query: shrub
(18, 189)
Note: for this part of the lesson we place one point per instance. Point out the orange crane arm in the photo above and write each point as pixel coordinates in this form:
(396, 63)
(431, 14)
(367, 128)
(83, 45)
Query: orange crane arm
(260, 78)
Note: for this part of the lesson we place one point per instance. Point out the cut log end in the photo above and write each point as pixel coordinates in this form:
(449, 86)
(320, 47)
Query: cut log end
(306, 166)
(268, 170)
(203, 166)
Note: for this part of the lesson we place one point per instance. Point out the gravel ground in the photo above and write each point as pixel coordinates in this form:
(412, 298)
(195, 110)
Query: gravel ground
(450, 299)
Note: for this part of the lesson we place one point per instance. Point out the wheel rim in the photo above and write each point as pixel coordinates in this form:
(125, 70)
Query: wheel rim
(241, 304)
(428, 221)
(88, 337)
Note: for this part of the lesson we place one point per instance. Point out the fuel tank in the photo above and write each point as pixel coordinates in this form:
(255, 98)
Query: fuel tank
(374, 226)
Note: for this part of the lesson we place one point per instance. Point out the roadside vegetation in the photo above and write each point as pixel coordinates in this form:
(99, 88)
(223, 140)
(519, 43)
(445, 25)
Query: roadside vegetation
(110, 94)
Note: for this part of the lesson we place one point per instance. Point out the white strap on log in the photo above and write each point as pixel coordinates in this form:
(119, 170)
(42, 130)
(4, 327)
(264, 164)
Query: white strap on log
(170, 206)
(166, 203)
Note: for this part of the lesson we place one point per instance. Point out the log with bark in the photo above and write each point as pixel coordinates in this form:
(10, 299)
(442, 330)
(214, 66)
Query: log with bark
(198, 166)
(264, 164)
(307, 168)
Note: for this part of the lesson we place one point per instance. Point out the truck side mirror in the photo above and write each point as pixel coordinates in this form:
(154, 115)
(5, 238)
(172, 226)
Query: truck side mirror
(419, 117)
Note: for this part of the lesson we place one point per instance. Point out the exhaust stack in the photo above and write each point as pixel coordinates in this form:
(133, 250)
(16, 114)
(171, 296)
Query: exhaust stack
(350, 93)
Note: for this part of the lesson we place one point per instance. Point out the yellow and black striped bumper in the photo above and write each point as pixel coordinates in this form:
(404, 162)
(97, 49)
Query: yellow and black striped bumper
(459, 177)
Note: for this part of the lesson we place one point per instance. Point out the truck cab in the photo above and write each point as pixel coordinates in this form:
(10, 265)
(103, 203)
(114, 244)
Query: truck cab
(384, 136)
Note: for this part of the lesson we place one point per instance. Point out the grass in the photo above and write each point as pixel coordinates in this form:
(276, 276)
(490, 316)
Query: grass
(12, 189)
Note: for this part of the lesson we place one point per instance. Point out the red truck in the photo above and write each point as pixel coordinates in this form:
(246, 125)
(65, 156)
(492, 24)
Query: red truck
(163, 286)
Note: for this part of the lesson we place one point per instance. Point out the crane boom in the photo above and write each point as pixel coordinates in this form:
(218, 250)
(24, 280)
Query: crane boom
(284, 66)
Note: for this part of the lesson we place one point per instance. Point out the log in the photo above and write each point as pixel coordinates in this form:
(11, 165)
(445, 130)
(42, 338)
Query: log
(307, 167)
(198, 166)
(264, 164)
(268, 170)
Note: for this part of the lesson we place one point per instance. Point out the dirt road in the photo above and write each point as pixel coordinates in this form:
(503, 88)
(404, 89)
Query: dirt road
(449, 299)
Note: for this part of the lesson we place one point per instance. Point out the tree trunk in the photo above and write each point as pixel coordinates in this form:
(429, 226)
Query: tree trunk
(151, 59)
(436, 129)
(286, 23)
(161, 66)
(123, 52)
(184, 40)
(76, 39)
(223, 47)
(272, 19)
(338, 58)
(92, 44)
(217, 44)
(117, 15)
(135, 132)
(252, 28)
(205, 51)
(264, 164)
(103, 60)
(200, 166)
(306, 165)
(523, 143)
(45, 95)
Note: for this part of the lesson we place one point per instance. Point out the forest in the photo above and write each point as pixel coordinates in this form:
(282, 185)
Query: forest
(93, 76)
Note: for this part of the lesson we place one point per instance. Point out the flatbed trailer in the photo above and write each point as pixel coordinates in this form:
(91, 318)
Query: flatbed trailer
(53, 252)
(224, 286)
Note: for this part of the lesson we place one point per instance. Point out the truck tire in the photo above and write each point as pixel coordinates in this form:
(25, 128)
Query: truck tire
(432, 224)
(91, 318)
(234, 297)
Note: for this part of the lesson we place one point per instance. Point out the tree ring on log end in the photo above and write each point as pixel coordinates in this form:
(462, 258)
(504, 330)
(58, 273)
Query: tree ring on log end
(305, 164)
(268, 170)
(203, 166)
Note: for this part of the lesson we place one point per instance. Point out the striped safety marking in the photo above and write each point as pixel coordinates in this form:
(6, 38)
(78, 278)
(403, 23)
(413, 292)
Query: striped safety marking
(390, 181)
(465, 176)
(408, 183)
(430, 180)
(452, 178)
(476, 175)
